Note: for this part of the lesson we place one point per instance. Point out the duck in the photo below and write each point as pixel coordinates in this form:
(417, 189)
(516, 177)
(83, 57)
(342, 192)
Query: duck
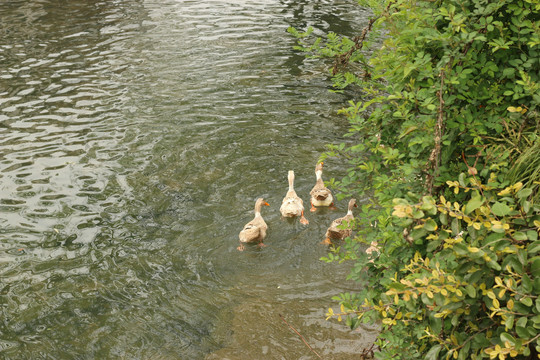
(320, 194)
(255, 230)
(292, 205)
(336, 230)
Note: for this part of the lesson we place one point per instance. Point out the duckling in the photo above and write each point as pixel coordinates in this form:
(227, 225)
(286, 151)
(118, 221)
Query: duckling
(320, 194)
(335, 232)
(292, 205)
(255, 230)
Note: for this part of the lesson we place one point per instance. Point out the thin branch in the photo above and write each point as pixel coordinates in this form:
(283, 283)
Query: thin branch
(301, 337)
(531, 340)
(522, 127)
(368, 353)
(434, 157)
(472, 337)
(343, 59)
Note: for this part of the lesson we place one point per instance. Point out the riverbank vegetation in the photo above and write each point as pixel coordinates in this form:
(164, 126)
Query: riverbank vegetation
(443, 139)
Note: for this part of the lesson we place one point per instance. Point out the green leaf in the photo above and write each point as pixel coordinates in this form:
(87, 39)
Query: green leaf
(494, 265)
(526, 283)
(522, 332)
(461, 249)
(418, 214)
(509, 322)
(455, 227)
(527, 301)
(443, 218)
(532, 235)
(397, 286)
(522, 256)
(507, 337)
(512, 260)
(526, 205)
(524, 193)
(471, 290)
(432, 245)
(532, 332)
(428, 205)
(522, 322)
(535, 266)
(433, 353)
(430, 225)
(500, 209)
(536, 285)
(474, 204)
(462, 179)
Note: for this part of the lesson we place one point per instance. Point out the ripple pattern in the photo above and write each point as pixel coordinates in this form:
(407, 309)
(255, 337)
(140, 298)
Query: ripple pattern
(134, 137)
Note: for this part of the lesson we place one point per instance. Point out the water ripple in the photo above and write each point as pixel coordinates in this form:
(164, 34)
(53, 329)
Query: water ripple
(134, 137)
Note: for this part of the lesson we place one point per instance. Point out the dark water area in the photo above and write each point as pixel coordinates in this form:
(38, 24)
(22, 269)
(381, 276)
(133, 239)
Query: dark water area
(135, 137)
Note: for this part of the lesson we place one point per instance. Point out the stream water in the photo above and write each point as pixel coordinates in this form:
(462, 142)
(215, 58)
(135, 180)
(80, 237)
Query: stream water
(135, 137)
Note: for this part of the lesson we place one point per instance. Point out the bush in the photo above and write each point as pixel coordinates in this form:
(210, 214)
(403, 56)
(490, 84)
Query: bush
(450, 102)
(471, 288)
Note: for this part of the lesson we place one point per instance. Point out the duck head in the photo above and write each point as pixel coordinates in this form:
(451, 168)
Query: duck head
(259, 204)
(352, 204)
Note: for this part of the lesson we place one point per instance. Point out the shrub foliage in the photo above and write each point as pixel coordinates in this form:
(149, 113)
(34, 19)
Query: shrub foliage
(448, 103)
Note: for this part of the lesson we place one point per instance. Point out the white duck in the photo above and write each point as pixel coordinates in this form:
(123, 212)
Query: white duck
(336, 230)
(292, 205)
(320, 194)
(255, 230)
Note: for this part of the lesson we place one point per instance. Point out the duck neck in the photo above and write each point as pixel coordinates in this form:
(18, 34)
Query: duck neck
(291, 180)
(350, 208)
(318, 173)
(258, 207)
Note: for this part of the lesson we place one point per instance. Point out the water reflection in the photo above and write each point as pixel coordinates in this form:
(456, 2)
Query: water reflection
(134, 136)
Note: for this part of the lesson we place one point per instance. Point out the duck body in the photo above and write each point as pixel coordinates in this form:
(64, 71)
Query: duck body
(255, 230)
(336, 230)
(292, 205)
(320, 194)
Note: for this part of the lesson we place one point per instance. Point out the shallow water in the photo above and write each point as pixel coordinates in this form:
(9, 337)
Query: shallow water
(135, 137)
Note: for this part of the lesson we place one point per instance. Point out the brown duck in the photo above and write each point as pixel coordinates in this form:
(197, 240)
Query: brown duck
(340, 228)
(320, 194)
(292, 205)
(255, 230)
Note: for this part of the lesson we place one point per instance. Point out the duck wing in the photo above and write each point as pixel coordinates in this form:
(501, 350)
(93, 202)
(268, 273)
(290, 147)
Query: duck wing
(249, 233)
(255, 230)
(335, 232)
